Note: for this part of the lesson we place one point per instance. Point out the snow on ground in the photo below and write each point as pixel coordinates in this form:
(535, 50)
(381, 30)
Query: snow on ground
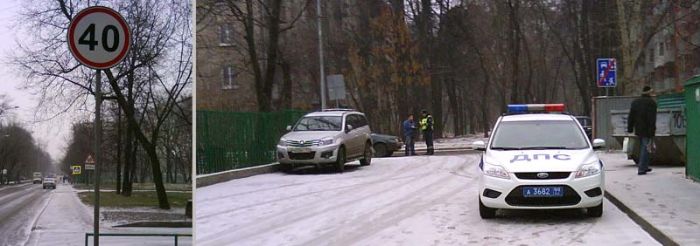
(460, 142)
(64, 220)
(420, 200)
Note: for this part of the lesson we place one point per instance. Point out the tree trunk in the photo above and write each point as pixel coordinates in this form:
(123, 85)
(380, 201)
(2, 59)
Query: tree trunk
(119, 151)
(149, 146)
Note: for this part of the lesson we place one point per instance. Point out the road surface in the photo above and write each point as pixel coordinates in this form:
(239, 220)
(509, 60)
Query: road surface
(420, 200)
(19, 207)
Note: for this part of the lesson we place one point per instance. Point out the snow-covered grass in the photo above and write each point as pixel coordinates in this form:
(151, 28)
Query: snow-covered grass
(137, 199)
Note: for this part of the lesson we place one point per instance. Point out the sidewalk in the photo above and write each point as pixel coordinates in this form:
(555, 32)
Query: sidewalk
(664, 202)
(64, 220)
(462, 142)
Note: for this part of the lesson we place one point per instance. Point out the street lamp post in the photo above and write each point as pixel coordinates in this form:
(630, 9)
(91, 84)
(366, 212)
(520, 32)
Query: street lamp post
(320, 54)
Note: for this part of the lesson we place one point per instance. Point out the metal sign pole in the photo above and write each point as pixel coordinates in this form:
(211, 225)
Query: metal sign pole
(98, 141)
(320, 54)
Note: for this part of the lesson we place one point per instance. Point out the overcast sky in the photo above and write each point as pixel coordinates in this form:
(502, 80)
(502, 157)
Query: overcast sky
(52, 134)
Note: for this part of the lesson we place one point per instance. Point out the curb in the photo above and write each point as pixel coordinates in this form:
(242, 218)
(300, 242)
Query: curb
(220, 177)
(159, 224)
(646, 226)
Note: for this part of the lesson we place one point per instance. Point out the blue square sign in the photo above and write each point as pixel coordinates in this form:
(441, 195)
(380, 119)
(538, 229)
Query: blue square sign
(607, 76)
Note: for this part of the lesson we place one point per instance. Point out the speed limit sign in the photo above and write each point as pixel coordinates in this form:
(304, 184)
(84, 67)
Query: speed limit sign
(99, 37)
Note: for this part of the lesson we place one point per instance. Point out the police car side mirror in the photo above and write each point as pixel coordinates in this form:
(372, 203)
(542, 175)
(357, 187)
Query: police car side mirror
(479, 145)
(598, 143)
(348, 128)
(289, 127)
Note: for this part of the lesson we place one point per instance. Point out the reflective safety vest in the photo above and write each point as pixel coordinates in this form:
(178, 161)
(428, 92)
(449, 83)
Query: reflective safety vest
(426, 124)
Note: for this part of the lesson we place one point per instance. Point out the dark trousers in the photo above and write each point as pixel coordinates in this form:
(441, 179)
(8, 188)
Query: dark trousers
(643, 155)
(428, 137)
(410, 145)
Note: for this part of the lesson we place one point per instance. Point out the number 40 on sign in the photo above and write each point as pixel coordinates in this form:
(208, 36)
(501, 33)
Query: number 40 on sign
(98, 37)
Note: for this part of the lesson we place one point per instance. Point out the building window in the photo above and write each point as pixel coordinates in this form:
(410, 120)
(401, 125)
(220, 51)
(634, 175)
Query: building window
(228, 77)
(651, 55)
(661, 48)
(225, 34)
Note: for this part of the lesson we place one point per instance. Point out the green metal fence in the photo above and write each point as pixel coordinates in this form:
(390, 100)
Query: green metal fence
(233, 140)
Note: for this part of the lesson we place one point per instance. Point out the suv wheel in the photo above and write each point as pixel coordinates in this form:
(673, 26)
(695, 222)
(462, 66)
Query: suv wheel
(367, 158)
(285, 168)
(486, 212)
(340, 161)
(596, 211)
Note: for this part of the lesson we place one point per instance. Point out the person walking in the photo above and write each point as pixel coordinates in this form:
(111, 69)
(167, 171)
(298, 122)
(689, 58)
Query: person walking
(642, 121)
(409, 131)
(426, 127)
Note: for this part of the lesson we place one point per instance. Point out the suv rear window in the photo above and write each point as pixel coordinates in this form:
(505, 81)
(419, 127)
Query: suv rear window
(558, 134)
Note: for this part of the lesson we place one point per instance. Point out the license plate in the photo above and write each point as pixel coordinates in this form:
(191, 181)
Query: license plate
(543, 191)
(300, 150)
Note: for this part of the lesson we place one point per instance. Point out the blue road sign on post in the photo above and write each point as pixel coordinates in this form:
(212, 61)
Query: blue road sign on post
(607, 76)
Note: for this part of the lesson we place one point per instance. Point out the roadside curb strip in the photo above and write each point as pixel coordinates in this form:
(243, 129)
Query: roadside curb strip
(220, 177)
(648, 227)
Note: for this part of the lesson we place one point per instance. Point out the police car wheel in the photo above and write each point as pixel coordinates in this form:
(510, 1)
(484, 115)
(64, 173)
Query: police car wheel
(596, 211)
(340, 161)
(367, 156)
(486, 212)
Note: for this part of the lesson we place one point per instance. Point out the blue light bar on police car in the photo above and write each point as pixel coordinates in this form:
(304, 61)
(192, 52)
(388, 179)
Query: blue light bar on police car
(530, 108)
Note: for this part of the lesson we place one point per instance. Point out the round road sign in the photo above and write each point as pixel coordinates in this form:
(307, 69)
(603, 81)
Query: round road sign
(99, 37)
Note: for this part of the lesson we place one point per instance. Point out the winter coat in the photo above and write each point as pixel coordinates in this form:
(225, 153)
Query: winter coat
(642, 117)
(409, 128)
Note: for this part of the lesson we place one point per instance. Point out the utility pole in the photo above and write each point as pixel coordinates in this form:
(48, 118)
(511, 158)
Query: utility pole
(320, 54)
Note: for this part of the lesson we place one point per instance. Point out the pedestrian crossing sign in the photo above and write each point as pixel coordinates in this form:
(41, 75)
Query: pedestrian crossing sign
(76, 170)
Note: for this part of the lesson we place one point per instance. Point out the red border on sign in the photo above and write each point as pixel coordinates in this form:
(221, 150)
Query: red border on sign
(74, 50)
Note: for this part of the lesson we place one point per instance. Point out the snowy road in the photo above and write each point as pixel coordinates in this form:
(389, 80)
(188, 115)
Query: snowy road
(395, 201)
(19, 206)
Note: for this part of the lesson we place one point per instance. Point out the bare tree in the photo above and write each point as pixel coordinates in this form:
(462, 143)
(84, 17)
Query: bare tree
(156, 71)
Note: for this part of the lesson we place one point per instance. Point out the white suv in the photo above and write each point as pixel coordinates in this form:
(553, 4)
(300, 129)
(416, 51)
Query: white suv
(331, 137)
(540, 161)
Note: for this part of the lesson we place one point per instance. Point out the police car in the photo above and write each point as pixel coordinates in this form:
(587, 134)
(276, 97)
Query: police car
(540, 158)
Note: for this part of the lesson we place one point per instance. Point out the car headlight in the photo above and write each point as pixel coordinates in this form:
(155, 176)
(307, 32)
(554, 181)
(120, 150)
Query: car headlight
(327, 141)
(282, 142)
(588, 170)
(495, 171)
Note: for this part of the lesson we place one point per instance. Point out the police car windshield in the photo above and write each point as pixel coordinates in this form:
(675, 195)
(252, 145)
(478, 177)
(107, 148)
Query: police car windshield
(523, 135)
(319, 123)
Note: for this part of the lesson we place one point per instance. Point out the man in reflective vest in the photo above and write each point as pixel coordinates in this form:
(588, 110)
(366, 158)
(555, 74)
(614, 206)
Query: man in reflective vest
(426, 126)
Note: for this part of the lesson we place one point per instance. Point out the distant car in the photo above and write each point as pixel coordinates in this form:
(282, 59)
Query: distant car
(385, 145)
(37, 178)
(587, 125)
(49, 183)
(330, 137)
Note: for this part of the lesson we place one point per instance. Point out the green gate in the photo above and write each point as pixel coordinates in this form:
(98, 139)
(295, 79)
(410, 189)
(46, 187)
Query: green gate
(692, 112)
(233, 140)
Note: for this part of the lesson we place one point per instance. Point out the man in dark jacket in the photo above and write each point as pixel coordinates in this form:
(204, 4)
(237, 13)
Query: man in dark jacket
(409, 131)
(642, 121)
